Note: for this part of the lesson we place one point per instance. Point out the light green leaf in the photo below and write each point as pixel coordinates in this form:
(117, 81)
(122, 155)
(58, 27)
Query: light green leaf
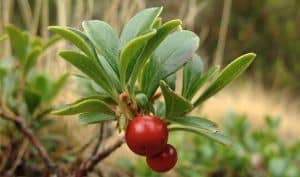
(130, 54)
(162, 32)
(214, 135)
(72, 37)
(199, 82)
(157, 22)
(193, 121)
(94, 117)
(105, 39)
(169, 56)
(31, 60)
(175, 104)
(230, 72)
(91, 69)
(19, 41)
(138, 25)
(82, 106)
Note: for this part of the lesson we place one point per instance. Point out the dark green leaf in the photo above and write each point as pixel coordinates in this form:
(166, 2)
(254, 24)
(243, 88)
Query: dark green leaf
(94, 117)
(214, 135)
(105, 39)
(201, 81)
(144, 102)
(130, 54)
(169, 56)
(230, 72)
(193, 121)
(90, 68)
(82, 106)
(74, 38)
(19, 41)
(32, 99)
(175, 104)
(153, 43)
(141, 23)
(111, 73)
(191, 73)
(31, 60)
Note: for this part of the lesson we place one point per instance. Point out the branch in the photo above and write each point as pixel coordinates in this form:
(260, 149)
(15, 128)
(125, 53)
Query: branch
(27, 132)
(99, 140)
(89, 164)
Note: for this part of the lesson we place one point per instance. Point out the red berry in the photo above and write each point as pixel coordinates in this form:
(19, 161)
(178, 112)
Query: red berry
(146, 135)
(164, 161)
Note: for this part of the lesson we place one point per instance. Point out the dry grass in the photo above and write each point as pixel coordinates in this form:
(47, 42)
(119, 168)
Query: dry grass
(252, 100)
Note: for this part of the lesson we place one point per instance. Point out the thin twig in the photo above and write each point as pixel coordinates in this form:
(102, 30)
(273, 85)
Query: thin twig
(99, 140)
(89, 165)
(19, 158)
(27, 132)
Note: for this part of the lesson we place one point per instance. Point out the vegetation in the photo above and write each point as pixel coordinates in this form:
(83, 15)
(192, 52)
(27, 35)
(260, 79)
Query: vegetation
(256, 151)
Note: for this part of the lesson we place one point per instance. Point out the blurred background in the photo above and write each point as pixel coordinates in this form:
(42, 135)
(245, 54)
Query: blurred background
(261, 110)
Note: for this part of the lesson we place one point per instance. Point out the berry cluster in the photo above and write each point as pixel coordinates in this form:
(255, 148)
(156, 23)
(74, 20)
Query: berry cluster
(148, 136)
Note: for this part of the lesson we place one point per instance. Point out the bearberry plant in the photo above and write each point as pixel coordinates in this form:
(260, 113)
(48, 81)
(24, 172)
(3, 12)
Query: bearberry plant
(26, 98)
(132, 70)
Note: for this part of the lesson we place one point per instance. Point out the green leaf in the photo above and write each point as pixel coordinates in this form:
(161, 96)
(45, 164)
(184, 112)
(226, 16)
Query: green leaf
(169, 56)
(105, 39)
(171, 81)
(94, 117)
(230, 72)
(175, 104)
(31, 60)
(157, 22)
(82, 106)
(160, 108)
(193, 121)
(199, 82)
(214, 135)
(138, 25)
(58, 85)
(130, 54)
(153, 43)
(91, 69)
(74, 38)
(32, 99)
(191, 73)
(19, 41)
(111, 73)
(144, 102)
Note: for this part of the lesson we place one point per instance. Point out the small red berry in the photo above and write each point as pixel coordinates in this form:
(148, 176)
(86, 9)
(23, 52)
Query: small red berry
(164, 161)
(146, 135)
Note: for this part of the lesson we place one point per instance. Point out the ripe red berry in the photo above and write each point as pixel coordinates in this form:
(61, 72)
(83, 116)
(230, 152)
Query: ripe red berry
(146, 135)
(164, 161)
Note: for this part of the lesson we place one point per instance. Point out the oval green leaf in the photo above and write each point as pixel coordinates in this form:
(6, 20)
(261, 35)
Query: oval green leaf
(82, 106)
(230, 72)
